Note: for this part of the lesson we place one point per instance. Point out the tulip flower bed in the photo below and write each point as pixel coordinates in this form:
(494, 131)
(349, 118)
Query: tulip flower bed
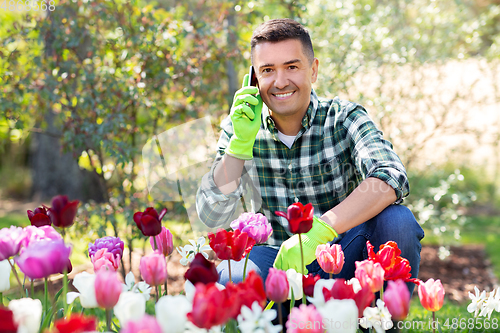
(103, 302)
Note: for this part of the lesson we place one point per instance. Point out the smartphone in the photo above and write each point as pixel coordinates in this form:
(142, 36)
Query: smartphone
(253, 78)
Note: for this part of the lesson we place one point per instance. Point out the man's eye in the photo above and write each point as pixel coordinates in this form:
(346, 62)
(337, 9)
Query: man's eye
(293, 67)
(266, 70)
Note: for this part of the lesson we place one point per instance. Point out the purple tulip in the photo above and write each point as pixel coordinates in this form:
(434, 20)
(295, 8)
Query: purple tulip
(255, 225)
(112, 244)
(44, 258)
(34, 234)
(10, 241)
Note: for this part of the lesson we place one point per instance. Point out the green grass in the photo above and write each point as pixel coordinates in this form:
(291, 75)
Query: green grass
(20, 220)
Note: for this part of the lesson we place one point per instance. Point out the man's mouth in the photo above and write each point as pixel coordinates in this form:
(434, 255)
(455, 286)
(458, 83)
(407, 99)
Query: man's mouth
(284, 95)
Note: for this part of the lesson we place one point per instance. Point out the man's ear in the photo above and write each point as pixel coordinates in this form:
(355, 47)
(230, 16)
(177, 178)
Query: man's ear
(315, 65)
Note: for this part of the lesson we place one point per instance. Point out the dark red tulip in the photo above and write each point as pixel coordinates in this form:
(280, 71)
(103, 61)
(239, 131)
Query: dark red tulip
(7, 323)
(300, 217)
(309, 281)
(201, 270)
(395, 266)
(230, 244)
(149, 222)
(39, 217)
(62, 213)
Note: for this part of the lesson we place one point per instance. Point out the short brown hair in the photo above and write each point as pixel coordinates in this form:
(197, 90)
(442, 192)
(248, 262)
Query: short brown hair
(278, 30)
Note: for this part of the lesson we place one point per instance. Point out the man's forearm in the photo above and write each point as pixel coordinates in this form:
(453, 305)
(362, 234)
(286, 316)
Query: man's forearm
(370, 198)
(227, 173)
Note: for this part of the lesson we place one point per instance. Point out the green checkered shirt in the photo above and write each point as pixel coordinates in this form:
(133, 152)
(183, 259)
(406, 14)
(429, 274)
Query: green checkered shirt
(337, 147)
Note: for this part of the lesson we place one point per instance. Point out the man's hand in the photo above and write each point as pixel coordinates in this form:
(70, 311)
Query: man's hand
(245, 115)
(289, 253)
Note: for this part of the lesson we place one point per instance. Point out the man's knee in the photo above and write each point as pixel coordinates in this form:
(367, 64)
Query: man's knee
(399, 223)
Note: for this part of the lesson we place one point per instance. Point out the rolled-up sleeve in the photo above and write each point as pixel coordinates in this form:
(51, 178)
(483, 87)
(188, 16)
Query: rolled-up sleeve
(373, 155)
(215, 208)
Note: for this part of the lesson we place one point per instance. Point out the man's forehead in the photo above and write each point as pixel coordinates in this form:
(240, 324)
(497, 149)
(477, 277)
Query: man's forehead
(278, 53)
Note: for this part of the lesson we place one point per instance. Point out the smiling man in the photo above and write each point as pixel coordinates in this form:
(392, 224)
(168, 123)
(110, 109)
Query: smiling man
(306, 149)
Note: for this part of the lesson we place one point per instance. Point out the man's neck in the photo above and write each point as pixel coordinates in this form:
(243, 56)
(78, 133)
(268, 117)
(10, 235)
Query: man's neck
(288, 125)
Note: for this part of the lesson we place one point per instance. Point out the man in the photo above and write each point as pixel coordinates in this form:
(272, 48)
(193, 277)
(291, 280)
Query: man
(306, 149)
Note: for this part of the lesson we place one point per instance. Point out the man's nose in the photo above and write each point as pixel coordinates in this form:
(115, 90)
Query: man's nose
(281, 80)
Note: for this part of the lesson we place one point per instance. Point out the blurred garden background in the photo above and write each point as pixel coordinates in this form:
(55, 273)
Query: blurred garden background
(84, 87)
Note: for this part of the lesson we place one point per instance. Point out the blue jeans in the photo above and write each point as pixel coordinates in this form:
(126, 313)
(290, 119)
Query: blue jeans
(395, 223)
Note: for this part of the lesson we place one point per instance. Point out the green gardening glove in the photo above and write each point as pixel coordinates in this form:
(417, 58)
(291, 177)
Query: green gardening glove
(245, 115)
(289, 253)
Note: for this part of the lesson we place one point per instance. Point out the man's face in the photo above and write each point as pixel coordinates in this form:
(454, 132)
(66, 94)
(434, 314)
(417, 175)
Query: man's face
(285, 76)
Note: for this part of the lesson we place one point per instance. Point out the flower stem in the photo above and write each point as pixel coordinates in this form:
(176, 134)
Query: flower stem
(229, 268)
(156, 245)
(32, 286)
(108, 320)
(166, 290)
(156, 294)
(245, 267)
(159, 291)
(302, 269)
(1, 299)
(17, 277)
(46, 296)
(433, 321)
(382, 292)
(65, 292)
(330, 275)
(280, 316)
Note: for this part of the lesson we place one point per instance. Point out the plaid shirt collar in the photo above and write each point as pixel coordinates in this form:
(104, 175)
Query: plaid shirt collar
(307, 121)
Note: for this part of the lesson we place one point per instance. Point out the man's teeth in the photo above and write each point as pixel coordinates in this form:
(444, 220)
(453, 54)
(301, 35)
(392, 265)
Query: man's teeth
(283, 95)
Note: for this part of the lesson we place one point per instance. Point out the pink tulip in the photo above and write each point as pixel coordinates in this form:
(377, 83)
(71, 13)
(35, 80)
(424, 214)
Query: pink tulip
(44, 258)
(34, 234)
(255, 225)
(330, 258)
(397, 299)
(370, 274)
(164, 241)
(103, 258)
(147, 324)
(10, 241)
(305, 319)
(431, 294)
(277, 286)
(107, 288)
(153, 268)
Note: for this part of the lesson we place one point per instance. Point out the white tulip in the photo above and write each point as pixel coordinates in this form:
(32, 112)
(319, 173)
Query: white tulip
(171, 313)
(130, 306)
(27, 314)
(84, 283)
(5, 269)
(318, 298)
(295, 282)
(339, 315)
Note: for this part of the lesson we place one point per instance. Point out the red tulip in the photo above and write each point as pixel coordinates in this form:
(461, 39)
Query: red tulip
(397, 299)
(107, 288)
(39, 217)
(164, 241)
(300, 217)
(342, 290)
(153, 268)
(63, 212)
(230, 244)
(370, 274)
(330, 258)
(75, 324)
(395, 266)
(431, 294)
(149, 222)
(309, 281)
(277, 286)
(7, 323)
(246, 293)
(201, 270)
(210, 306)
